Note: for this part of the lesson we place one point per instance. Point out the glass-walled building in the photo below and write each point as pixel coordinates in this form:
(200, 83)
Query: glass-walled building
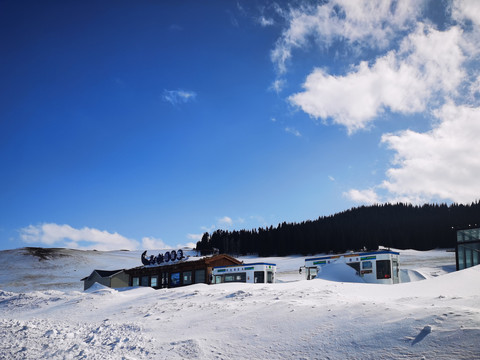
(468, 247)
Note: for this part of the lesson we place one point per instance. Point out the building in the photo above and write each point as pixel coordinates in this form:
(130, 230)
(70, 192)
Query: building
(467, 249)
(247, 273)
(380, 267)
(181, 273)
(111, 278)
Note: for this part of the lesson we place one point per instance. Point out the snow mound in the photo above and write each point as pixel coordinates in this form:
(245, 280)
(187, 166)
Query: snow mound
(100, 289)
(339, 272)
(407, 275)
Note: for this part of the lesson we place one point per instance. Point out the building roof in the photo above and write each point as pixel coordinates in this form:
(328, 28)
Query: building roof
(103, 273)
(209, 261)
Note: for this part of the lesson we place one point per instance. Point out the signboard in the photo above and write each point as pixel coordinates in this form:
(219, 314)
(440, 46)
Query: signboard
(169, 256)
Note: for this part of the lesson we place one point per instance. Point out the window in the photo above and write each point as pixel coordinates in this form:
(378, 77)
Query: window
(135, 281)
(154, 281)
(311, 273)
(175, 279)
(145, 281)
(187, 278)
(383, 269)
(259, 276)
(366, 264)
(235, 277)
(199, 276)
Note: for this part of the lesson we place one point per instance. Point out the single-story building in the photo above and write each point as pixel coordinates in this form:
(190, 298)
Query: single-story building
(111, 278)
(187, 272)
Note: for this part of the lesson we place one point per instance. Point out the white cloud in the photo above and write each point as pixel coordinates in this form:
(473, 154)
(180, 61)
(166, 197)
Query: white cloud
(187, 245)
(176, 97)
(277, 86)
(262, 20)
(151, 243)
(293, 131)
(208, 228)
(361, 22)
(420, 69)
(437, 165)
(196, 237)
(428, 63)
(442, 163)
(466, 10)
(86, 238)
(368, 196)
(225, 221)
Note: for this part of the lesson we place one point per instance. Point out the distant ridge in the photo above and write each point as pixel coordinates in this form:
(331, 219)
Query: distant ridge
(401, 226)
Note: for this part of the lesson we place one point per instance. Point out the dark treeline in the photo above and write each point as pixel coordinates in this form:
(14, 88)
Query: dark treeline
(398, 226)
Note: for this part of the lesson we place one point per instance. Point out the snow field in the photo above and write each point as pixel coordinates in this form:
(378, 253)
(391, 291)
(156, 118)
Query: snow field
(436, 318)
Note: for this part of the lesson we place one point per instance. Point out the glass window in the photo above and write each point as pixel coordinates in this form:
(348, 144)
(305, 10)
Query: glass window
(154, 281)
(145, 281)
(218, 279)
(366, 264)
(259, 276)
(468, 256)
(135, 281)
(476, 253)
(383, 269)
(175, 279)
(187, 278)
(199, 276)
(461, 257)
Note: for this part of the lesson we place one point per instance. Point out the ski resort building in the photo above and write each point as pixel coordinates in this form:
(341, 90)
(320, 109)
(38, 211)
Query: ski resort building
(179, 272)
(379, 267)
(247, 273)
(111, 278)
(467, 249)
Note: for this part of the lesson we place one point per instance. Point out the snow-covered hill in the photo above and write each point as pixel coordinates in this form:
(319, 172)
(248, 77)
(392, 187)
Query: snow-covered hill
(45, 315)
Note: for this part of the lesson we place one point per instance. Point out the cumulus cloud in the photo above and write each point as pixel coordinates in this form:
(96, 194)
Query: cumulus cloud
(466, 10)
(418, 68)
(428, 63)
(437, 165)
(176, 97)
(153, 243)
(225, 221)
(371, 23)
(86, 238)
(442, 163)
(368, 196)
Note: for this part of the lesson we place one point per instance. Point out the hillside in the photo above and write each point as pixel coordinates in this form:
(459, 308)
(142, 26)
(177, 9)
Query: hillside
(400, 226)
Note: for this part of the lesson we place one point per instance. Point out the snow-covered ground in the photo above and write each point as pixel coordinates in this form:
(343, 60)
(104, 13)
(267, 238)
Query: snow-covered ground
(45, 313)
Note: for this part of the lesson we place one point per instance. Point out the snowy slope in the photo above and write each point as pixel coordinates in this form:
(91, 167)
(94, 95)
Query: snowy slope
(436, 318)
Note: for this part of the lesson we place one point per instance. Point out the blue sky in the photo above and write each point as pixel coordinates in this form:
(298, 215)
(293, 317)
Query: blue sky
(143, 124)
